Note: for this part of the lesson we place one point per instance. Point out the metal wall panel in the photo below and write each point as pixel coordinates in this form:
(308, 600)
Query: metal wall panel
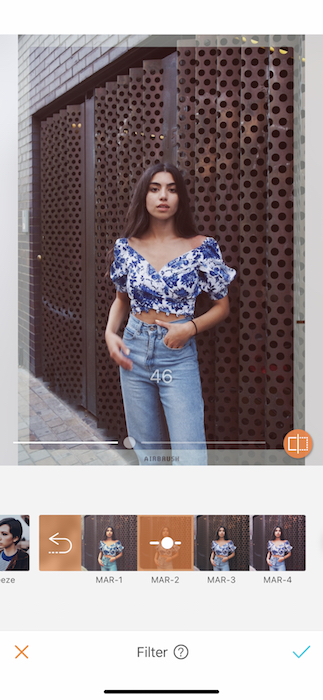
(63, 253)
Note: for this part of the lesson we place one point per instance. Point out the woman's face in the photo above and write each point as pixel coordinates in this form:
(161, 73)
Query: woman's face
(162, 198)
(165, 532)
(109, 532)
(221, 532)
(278, 533)
(6, 538)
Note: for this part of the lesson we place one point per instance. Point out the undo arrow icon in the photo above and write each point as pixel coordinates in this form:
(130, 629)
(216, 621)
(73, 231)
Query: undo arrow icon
(56, 540)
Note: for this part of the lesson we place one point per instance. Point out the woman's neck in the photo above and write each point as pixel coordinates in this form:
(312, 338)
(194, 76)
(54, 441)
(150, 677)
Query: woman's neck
(10, 551)
(161, 230)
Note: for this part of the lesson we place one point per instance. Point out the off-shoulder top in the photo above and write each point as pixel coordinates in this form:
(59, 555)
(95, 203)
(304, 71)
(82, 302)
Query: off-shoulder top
(279, 550)
(223, 549)
(172, 290)
(111, 550)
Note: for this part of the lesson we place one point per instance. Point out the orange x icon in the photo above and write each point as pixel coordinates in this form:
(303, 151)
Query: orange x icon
(21, 651)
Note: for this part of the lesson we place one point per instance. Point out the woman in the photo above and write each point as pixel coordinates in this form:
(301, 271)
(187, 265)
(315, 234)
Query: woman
(222, 550)
(164, 556)
(160, 266)
(110, 551)
(11, 557)
(279, 549)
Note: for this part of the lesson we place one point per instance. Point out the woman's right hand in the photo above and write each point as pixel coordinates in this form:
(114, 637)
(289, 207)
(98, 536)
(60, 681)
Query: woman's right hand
(269, 562)
(115, 345)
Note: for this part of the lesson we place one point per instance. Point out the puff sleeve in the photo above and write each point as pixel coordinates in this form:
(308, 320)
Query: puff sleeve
(288, 547)
(118, 270)
(119, 547)
(231, 547)
(214, 275)
(269, 546)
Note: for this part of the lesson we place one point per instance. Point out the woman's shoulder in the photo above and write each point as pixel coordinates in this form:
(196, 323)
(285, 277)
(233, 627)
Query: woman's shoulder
(209, 248)
(121, 244)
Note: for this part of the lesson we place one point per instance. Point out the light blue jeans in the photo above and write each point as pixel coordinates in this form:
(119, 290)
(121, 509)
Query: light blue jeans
(108, 565)
(219, 565)
(162, 398)
(276, 565)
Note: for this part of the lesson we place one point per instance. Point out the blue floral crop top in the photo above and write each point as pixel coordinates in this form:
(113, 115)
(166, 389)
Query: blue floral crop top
(172, 290)
(279, 550)
(111, 550)
(223, 549)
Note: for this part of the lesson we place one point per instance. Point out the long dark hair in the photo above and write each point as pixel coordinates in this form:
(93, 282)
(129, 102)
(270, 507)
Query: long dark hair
(137, 219)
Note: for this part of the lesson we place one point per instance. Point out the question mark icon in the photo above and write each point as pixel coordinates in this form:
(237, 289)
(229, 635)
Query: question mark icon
(181, 651)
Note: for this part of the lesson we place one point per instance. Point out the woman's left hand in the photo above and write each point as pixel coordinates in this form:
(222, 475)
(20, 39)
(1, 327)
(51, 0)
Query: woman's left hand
(112, 559)
(280, 560)
(224, 559)
(177, 333)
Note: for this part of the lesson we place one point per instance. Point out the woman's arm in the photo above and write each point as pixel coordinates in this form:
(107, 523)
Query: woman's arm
(100, 559)
(285, 557)
(118, 312)
(268, 559)
(172, 557)
(179, 333)
(224, 559)
(116, 557)
(212, 558)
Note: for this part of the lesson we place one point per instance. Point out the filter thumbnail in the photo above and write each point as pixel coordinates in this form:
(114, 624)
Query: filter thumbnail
(165, 542)
(277, 543)
(109, 543)
(60, 543)
(14, 543)
(221, 542)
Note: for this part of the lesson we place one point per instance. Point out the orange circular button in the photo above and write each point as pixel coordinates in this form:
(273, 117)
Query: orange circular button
(298, 443)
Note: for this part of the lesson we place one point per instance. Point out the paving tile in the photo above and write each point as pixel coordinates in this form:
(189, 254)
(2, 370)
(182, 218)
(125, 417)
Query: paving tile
(39, 454)
(44, 416)
(54, 423)
(47, 461)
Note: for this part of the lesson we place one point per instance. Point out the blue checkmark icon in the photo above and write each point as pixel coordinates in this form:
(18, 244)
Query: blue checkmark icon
(299, 655)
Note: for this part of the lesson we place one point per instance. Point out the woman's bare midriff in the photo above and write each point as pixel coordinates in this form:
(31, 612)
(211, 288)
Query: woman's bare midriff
(151, 315)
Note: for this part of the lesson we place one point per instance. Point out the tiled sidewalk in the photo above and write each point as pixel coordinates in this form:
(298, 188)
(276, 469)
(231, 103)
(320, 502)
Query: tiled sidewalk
(43, 416)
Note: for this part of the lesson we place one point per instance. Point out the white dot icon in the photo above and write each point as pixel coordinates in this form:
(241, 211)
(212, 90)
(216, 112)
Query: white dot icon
(129, 442)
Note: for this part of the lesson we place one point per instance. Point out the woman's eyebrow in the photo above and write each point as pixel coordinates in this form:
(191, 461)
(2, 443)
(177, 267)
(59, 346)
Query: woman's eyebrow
(169, 184)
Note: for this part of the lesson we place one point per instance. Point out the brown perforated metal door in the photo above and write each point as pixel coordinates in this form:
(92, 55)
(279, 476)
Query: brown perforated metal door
(63, 252)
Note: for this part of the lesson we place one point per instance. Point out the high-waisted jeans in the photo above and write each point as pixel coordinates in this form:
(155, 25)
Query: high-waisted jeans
(162, 398)
(108, 565)
(219, 565)
(276, 565)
